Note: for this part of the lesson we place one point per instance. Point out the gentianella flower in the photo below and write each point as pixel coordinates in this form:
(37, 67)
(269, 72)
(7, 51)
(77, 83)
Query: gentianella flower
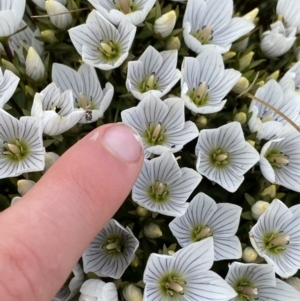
(154, 72)
(164, 25)
(67, 292)
(203, 219)
(131, 11)
(21, 145)
(185, 275)
(287, 9)
(161, 124)
(100, 44)
(224, 155)
(275, 237)
(265, 121)
(11, 15)
(8, 84)
(279, 159)
(163, 186)
(97, 290)
(87, 92)
(258, 282)
(278, 40)
(205, 82)
(56, 110)
(111, 251)
(210, 22)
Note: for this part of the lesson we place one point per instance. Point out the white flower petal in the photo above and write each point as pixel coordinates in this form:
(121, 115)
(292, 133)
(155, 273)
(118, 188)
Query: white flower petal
(127, 33)
(34, 65)
(8, 84)
(152, 60)
(227, 247)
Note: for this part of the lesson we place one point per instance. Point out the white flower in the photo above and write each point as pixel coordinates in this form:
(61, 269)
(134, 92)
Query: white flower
(288, 10)
(66, 293)
(161, 124)
(131, 11)
(154, 72)
(205, 82)
(224, 155)
(111, 251)
(185, 276)
(132, 293)
(204, 218)
(278, 40)
(11, 15)
(275, 237)
(97, 290)
(165, 24)
(210, 22)
(163, 186)
(258, 282)
(280, 161)
(100, 44)
(56, 110)
(21, 145)
(265, 121)
(59, 14)
(41, 3)
(86, 88)
(8, 84)
(35, 68)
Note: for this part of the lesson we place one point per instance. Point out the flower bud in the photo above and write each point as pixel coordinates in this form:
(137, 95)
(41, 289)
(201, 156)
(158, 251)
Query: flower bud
(259, 208)
(9, 66)
(141, 211)
(251, 142)
(245, 61)
(294, 282)
(240, 117)
(50, 159)
(201, 122)
(273, 75)
(24, 186)
(35, 68)
(228, 55)
(271, 191)
(152, 230)
(14, 200)
(132, 293)
(135, 262)
(165, 24)
(249, 254)
(173, 43)
(241, 85)
(251, 15)
(49, 36)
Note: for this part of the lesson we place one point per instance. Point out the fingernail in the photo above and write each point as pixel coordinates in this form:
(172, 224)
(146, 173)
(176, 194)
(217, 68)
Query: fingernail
(123, 142)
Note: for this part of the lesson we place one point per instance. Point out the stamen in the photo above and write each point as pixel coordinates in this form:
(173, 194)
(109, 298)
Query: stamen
(175, 287)
(205, 35)
(248, 290)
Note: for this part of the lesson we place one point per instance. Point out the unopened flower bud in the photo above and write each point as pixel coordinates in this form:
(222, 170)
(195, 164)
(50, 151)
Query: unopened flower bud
(251, 142)
(171, 252)
(135, 262)
(273, 75)
(35, 68)
(249, 254)
(152, 230)
(141, 211)
(259, 208)
(173, 43)
(50, 159)
(9, 66)
(49, 36)
(240, 117)
(201, 122)
(271, 191)
(14, 200)
(245, 61)
(228, 55)
(251, 15)
(294, 282)
(241, 85)
(24, 186)
(165, 24)
(132, 293)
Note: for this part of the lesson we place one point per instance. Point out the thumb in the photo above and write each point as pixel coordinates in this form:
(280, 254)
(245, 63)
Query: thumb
(45, 233)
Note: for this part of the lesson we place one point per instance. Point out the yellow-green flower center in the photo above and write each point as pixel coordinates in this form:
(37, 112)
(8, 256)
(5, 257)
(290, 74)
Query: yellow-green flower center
(155, 134)
(159, 192)
(204, 35)
(113, 246)
(15, 150)
(246, 291)
(109, 50)
(219, 158)
(150, 82)
(125, 6)
(172, 285)
(276, 242)
(87, 104)
(201, 232)
(199, 95)
(277, 159)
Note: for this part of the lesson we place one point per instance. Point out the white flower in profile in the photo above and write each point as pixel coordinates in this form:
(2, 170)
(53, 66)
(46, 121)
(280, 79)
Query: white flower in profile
(287, 9)
(56, 110)
(11, 15)
(130, 11)
(185, 275)
(35, 68)
(160, 124)
(87, 92)
(165, 24)
(163, 186)
(97, 290)
(100, 44)
(265, 121)
(210, 22)
(278, 40)
(204, 218)
(279, 159)
(111, 251)
(205, 82)
(67, 292)
(258, 282)
(154, 72)
(21, 145)
(275, 237)
(224, 155)
(41, 3)
(8, 84)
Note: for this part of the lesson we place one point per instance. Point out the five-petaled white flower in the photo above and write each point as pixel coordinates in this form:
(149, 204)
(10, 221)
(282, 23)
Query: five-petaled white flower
(163, 186)
(224, 155)
(204, 218)
(287, 9)
(21, 145)
(131, 11)
(185, 276)
(100, 44)
(111, 251)
(160, 124)
(210, 22)
(205, 82)
(56, 110)
(276, 235)
(154, 72)
(86, 88)
(258, 282)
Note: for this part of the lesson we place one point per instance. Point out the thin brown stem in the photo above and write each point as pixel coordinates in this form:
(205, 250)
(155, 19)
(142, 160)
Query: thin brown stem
(68, 12)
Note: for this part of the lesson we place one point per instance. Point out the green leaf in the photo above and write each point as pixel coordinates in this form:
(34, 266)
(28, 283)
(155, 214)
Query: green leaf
(158, 10)
(247, 215)
(250, 200)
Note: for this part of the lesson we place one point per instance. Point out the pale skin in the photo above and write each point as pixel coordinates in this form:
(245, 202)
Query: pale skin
(45, 233)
